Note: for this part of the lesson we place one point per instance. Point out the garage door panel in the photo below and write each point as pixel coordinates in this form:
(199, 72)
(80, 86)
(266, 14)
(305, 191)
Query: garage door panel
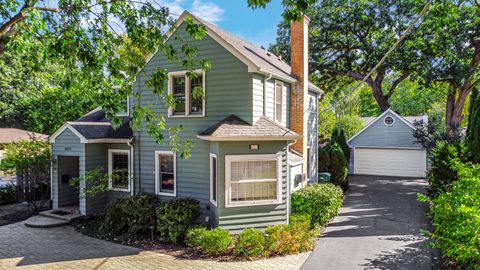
(394, 162)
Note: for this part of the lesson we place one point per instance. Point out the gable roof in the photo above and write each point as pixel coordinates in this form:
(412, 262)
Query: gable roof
(411, 119)
(233, 128)
(257, 59)
(375, 119)
(94, 127)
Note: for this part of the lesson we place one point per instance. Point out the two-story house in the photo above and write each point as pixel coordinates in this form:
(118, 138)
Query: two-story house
(254, 134)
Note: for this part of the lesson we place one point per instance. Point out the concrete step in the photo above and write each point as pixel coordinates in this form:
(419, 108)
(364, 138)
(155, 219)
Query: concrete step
(61, 213)
(45, 222)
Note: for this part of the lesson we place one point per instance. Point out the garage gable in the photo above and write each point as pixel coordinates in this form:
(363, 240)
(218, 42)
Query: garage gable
(389, 130)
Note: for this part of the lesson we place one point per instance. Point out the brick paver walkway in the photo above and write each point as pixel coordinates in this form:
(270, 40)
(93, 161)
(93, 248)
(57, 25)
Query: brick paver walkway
(64, 248)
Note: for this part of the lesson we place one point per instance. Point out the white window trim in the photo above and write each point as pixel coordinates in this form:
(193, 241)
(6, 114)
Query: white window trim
(275, 101)
(126, 113)
(110, 168)
(385, 118)
(187, 93)
(157, 173)
(212, 155)
(263, 157)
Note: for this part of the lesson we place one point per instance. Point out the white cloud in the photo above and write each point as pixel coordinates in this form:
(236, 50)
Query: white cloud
(175, 6)
(207, 11)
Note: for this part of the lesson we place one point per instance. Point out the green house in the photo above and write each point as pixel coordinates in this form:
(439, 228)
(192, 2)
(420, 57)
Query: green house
(254, 133)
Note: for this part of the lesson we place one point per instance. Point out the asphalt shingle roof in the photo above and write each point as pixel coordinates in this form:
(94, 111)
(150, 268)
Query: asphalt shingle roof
(94, 125)
(233, 126)
(10, 135)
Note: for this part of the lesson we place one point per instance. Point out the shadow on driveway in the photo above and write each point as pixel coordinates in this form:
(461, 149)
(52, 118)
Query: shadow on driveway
(378, 227)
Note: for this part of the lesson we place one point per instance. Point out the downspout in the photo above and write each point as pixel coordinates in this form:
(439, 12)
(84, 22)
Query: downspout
(132, 167)
(265, 80)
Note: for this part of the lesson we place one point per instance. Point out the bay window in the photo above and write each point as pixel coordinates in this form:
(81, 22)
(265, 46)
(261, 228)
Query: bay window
(253, 179)
(188, 93)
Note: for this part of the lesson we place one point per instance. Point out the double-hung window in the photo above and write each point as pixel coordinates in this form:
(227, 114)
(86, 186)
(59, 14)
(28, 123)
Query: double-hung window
(119, 169)
(278, 102)
(188, 93)
(165, 173)
(253, 179)
(213, 178)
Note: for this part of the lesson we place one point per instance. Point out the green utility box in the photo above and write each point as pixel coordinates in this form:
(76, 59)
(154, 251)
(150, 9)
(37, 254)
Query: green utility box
(324, 177)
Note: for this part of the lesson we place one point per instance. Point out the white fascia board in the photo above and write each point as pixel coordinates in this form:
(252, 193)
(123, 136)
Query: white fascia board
(72, 129)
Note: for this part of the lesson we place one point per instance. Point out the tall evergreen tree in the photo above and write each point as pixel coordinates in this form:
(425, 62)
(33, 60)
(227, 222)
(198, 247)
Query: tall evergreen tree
(473, 131)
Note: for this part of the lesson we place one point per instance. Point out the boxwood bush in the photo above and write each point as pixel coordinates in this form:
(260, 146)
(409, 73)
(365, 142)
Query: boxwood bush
(8, 194)
(128, 216)
(250, 243)
(320, 201)
(174, 217)
(456, 219)
(214, 241)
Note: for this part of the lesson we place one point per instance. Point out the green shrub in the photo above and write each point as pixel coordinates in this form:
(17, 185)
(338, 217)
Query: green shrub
(338, 166)
(290, 238)
(456, 219)
(321, 201)
(444, 158)
(8, 194)
(209, 241)
(324, 159)
(338, 137)
(175, 217)
(250, 243)
(130, 215)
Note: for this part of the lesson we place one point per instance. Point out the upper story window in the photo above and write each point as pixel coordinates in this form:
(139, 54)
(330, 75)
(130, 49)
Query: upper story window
(188, 93)
(278, 101)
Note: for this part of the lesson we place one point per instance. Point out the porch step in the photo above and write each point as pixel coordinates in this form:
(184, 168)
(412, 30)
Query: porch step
(66, 214)
(45, 222)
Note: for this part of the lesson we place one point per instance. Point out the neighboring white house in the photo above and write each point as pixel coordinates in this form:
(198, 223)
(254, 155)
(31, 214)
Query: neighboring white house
(386, 146)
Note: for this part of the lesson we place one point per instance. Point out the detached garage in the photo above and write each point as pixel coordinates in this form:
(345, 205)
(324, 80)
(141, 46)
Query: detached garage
(386, 146)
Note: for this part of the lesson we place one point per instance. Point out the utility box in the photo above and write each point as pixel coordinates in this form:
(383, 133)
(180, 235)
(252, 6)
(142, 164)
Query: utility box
(324, 177)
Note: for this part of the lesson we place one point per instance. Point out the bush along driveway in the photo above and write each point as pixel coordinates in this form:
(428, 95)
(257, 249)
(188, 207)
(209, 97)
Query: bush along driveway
(378, 227)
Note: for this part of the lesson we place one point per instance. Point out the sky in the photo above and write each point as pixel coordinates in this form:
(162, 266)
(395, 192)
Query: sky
(257, 26)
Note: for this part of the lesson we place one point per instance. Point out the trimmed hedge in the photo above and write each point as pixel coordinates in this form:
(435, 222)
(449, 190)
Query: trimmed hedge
(320, 201)
(209, 241)
(456, 219)
(130, 215)
(174, 217)
(291, 238)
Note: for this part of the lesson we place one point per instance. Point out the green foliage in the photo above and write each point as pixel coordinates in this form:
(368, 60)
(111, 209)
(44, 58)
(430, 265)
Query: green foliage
(473, 136)
(338, 136)
(324, 159)
(320, 201)
(250, 243)
(96, 182)
(209, 241)
(350, 124)
(338, 166)
(326, 116)
(8, 194)
(131, 215)
(456, 219)
(445, 158)
(174, 217)
(295, 237)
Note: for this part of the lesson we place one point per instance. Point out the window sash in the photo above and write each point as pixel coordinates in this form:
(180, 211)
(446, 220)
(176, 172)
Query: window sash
(187, 105)
(248, 191)
(278, 102)
(165, 174)
(119, 169)
(213, 179)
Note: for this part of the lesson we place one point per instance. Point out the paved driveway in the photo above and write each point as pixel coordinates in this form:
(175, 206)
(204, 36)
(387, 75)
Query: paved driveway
(378, 228)
(64, 248)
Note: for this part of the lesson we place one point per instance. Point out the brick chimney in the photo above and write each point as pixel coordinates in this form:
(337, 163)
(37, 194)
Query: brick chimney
(299, 94)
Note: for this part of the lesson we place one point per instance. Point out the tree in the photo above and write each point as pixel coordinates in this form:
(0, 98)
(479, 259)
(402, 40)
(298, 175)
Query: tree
(88, 35)
(451, 54)
(30, 159)
(348, 39)
(473, 131)
(350, 124)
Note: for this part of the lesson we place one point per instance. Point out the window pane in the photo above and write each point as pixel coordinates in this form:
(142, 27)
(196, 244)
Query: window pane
(254, 191)
(278, 102)
(214, 179)
(166, 173)
(178, 92)
(120, 171)
(251, 170)
(196, 95)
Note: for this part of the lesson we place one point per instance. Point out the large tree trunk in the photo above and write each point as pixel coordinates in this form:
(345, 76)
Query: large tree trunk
(454, 111)
(381, 99)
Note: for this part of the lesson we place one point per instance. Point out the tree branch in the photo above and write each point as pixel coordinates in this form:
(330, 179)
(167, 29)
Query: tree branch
(6, 27)
(396, 83)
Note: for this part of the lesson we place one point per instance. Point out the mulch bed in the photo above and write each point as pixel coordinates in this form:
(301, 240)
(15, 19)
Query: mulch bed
(12, 213)
(89, 226)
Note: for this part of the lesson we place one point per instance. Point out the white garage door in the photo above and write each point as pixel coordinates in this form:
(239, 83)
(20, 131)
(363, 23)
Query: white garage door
(393, 162)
